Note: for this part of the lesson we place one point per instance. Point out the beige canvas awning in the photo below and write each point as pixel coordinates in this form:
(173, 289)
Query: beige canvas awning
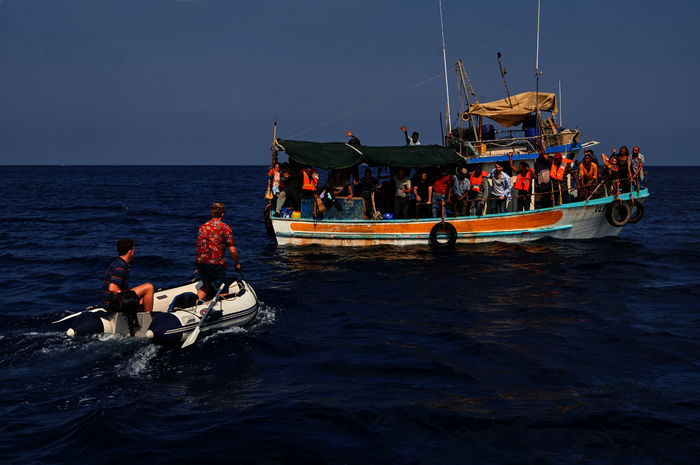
(523, 104)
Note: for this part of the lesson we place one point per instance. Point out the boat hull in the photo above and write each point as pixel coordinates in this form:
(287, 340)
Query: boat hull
(170, 325)
(578, 220)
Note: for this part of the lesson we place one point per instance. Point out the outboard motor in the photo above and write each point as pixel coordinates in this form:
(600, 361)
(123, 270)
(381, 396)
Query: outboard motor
(127, 302)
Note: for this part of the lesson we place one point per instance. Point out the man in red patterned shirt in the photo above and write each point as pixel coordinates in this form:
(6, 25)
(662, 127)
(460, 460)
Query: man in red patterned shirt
(213, 239)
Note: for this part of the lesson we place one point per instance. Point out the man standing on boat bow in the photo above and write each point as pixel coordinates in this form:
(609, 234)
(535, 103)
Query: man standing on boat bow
(213, 239)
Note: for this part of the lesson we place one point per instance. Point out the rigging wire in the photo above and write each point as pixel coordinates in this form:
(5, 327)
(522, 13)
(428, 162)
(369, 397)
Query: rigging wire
(364, 107)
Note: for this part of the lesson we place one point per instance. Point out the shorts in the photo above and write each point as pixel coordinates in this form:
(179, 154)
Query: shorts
(213, 276)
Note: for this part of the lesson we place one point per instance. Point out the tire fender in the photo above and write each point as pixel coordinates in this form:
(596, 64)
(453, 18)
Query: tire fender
(636, 212)
(617, 213)
(443, 228)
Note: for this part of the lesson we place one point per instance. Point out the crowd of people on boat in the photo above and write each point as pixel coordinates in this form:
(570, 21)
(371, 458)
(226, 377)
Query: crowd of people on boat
(462, 189)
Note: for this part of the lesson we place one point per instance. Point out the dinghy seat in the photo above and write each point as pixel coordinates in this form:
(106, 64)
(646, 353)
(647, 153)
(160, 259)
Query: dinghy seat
(184, 300)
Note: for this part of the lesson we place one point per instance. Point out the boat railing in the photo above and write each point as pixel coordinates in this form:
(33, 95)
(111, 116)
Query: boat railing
(555, 195)
(500, 146)
(572, 189)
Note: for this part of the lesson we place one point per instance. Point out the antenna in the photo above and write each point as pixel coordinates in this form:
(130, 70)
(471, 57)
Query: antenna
(503, 76)
(537, 56)
(444, 61)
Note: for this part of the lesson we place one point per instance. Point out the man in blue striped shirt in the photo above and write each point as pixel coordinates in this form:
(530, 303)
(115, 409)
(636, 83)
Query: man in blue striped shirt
(117, 278)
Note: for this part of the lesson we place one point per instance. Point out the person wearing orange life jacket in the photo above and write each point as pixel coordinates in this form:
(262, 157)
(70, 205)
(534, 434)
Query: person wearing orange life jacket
(477, 187)
(522, 184)
(557, 173)
(309, 181)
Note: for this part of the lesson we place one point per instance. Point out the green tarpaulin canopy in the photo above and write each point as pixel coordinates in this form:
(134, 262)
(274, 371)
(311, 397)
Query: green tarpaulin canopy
(337, 155)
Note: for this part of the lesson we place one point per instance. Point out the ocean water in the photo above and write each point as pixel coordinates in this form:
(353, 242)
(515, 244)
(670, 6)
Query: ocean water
(552, 352)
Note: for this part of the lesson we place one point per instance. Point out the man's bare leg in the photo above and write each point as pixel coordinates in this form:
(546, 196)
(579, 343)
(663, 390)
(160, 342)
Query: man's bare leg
(202, 292)
(145, 293)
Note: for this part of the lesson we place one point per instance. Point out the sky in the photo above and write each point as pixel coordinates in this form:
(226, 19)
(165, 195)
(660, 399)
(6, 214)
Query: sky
(171, 82)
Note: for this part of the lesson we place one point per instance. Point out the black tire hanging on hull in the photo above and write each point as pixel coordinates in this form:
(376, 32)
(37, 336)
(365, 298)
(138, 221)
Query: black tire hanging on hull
(441, 229)
(636, 212)
(617, 213)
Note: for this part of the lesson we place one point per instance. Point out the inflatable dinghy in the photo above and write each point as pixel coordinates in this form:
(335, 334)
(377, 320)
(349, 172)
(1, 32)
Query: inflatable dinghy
(176, 313)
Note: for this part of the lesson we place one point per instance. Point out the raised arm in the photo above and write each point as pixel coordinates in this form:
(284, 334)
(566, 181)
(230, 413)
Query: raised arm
(405, 134)
(512, 166)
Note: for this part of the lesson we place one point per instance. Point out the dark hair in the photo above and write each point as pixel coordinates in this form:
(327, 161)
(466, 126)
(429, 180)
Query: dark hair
(217, 210)
(124, 245)
(588, 151)
(627, 152)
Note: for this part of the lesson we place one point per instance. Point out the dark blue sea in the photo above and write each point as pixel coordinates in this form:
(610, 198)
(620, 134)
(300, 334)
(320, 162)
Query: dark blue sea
(552, 352)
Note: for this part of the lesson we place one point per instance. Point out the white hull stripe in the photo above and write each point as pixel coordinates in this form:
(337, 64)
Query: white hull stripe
(233, 316)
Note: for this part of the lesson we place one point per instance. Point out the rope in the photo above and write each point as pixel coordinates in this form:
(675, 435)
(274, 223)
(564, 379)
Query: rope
(364, 107)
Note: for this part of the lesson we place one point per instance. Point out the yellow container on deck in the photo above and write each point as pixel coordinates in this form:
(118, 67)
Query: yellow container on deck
(296, 215)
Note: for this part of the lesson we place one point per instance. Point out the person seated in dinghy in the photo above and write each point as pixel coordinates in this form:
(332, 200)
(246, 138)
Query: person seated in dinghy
(213, 239)
(117, 278)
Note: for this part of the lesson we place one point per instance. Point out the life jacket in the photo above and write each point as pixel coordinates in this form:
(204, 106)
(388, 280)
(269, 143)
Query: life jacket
(557, 172)
(310, 179)
(522, 183)
(475, 181)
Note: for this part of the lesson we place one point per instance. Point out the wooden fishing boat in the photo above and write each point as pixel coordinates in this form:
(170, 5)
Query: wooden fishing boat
(577, 220)
(527, 130)
(601, 214)
(176, 314)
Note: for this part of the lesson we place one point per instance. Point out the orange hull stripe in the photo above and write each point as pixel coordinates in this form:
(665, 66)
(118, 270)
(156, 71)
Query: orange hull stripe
(503, 223)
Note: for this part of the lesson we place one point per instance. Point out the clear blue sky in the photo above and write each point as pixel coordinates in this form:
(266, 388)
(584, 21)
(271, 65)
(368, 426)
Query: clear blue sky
(201, 81)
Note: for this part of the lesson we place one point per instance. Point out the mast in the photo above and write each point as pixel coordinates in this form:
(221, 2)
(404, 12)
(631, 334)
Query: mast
(537, 73)
(444, 61)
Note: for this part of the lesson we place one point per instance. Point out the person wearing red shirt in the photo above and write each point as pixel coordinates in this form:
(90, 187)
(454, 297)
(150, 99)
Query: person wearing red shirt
(213, 239)
(441, 191)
